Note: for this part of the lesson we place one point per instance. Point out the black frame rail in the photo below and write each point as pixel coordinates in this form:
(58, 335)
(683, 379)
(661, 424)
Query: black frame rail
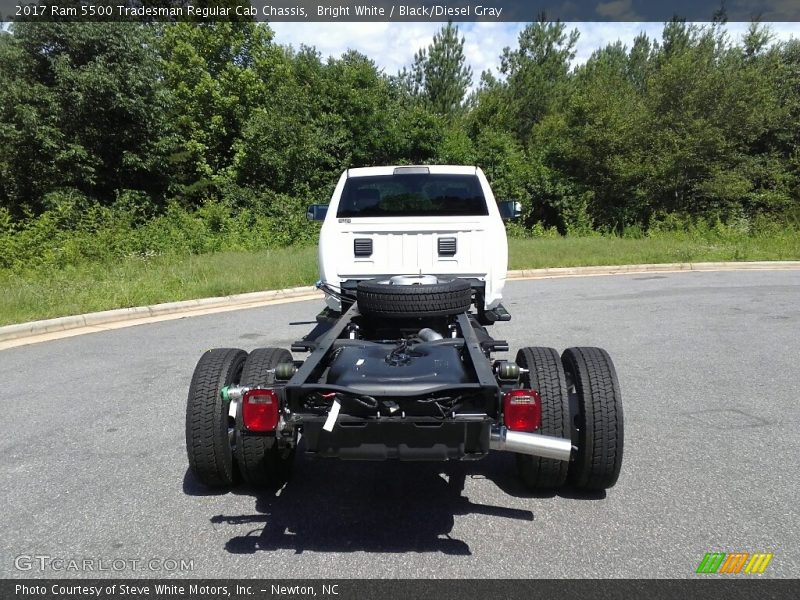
(305, 380)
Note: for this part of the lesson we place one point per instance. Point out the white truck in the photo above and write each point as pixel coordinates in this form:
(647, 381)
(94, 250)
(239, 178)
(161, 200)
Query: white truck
(399, 365)
(440, 221)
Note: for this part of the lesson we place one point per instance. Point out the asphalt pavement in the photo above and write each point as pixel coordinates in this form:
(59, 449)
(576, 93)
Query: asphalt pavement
(93, 464)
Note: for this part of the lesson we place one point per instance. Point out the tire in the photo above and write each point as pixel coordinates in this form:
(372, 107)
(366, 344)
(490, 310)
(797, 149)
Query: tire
(385, 300)
(599, 421)
(261, 462)
(208, 442)
(546, 375)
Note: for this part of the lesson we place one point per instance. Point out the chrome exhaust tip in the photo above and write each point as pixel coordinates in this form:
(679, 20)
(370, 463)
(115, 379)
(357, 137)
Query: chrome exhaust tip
(534, 444)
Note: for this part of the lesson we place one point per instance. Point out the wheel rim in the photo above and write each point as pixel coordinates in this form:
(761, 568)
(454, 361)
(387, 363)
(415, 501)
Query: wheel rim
(412, 280)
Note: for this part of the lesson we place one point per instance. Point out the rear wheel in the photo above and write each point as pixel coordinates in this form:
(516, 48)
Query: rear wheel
(593, 380)
(208, 439)
(261, 461)
(545, 375)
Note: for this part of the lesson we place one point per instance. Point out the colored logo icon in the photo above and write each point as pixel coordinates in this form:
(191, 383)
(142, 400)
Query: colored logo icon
(734, 563)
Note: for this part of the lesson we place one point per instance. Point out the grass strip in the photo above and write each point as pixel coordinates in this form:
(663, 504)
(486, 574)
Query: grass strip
(136, 281)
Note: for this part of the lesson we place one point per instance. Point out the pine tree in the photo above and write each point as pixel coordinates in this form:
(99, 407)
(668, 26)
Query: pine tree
(440, 75)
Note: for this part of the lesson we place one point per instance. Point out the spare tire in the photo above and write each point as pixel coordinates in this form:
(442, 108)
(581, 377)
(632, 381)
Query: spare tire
(413, 296)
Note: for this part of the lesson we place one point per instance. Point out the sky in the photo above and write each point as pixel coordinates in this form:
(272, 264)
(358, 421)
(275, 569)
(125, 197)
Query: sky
(392, 45)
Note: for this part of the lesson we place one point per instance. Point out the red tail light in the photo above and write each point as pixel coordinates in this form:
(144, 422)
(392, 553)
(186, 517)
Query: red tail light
(522, 410)
(260, 410)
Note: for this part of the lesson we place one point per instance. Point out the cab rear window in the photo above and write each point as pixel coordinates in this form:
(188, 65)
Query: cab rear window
(412, 195)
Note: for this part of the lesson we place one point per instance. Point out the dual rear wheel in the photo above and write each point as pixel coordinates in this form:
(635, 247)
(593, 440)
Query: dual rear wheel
(219, 450)
(581, 400)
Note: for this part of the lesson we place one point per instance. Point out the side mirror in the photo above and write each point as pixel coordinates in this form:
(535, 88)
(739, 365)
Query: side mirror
(316, 212)
(510, 209)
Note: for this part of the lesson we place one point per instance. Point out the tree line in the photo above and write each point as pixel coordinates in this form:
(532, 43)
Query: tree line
(156, 116)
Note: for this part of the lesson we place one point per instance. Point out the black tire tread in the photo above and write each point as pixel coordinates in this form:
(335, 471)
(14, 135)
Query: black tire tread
(546, 375)
(601, 437)
(429, 300)
(258, 457)
(207, 444)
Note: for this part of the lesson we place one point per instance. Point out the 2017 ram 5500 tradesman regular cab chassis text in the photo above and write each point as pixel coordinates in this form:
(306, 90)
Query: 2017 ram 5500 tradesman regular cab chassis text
(399, 366)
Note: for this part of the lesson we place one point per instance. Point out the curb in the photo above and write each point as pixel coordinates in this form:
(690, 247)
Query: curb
(147, 313)
(35, 331)
(775, 265)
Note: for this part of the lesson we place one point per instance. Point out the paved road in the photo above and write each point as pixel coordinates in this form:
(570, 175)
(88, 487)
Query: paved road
(93, 462)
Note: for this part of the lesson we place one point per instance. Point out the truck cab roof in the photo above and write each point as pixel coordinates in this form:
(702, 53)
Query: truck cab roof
(399, 169)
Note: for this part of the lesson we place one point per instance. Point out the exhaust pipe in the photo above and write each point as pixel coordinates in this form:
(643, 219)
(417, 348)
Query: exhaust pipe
(534, 444)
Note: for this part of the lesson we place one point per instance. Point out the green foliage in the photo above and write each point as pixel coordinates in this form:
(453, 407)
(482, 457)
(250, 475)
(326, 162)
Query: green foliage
(537, 73)
(217, 74)
(517, 230)
(693, 125)
(145, 142)
(456, 148)
(81, 107)
(75, 230)
(440, 76)
(503, 160)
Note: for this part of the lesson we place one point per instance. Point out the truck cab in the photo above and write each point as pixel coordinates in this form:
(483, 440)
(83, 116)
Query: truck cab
(435, 220)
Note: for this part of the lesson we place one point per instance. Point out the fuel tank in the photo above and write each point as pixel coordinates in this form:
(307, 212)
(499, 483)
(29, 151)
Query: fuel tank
(401, 368)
